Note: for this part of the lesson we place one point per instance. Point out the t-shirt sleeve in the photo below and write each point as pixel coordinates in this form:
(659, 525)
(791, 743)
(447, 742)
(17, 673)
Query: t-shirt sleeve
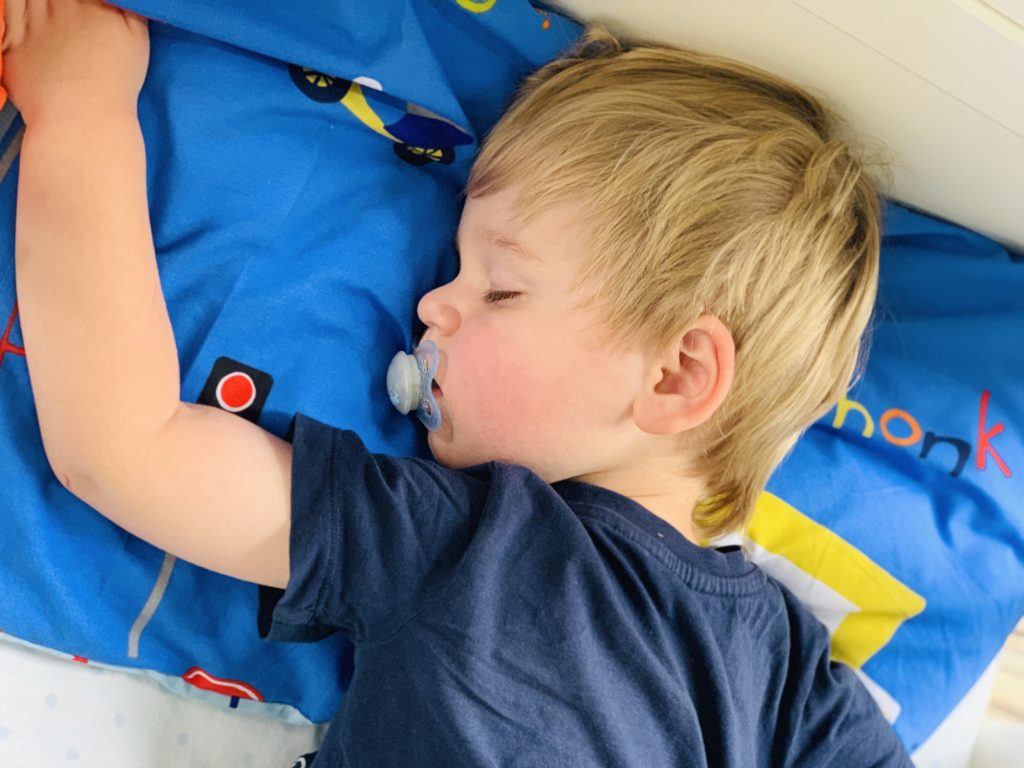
(373, 538)
(828, 716)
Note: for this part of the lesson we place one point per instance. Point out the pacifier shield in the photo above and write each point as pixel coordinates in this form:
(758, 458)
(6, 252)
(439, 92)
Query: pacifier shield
(410, 381)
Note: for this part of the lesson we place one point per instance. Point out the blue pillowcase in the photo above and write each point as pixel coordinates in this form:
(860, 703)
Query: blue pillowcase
(899, 517)
(299, 213)
(298, 217)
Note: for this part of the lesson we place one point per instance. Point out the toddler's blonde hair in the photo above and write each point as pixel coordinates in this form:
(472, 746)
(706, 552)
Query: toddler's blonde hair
(710, 187)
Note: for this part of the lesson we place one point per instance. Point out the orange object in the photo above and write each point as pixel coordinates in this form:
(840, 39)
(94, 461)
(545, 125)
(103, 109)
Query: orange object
(3, 93)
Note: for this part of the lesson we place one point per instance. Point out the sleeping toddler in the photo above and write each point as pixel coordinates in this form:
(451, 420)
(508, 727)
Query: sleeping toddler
(668, 261)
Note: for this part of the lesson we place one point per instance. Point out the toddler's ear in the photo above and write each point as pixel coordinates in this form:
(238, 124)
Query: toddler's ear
(688, 380)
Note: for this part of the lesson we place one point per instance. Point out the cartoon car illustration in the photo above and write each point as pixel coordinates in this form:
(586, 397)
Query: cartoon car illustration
(235, 689)
(419, 136)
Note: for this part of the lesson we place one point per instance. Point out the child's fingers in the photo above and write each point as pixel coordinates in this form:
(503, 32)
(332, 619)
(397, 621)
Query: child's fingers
(37, 12)
(131, 17)
(14, 22)
(3, 44)
(134, 20)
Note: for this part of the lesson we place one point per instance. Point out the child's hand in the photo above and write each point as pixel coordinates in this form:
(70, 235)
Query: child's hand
(70, 58)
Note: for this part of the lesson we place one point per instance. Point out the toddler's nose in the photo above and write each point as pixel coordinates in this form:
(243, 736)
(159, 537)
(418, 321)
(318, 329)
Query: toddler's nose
(436, 310)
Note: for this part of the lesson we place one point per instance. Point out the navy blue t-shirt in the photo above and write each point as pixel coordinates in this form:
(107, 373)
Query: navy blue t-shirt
(501, 621)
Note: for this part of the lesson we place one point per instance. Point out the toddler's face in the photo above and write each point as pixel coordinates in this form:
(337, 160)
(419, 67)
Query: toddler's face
(524, 376)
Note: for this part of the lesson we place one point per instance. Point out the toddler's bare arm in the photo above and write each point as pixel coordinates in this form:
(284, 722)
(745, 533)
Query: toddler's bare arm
(203, 484)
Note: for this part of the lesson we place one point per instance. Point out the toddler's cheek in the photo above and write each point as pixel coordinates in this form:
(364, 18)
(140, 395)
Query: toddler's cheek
(504, 386)
(512, 400)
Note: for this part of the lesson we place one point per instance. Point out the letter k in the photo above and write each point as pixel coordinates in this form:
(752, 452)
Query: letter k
(985, 438)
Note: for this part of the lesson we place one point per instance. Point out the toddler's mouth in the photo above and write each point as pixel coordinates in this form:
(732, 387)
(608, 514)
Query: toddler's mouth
(435, 389)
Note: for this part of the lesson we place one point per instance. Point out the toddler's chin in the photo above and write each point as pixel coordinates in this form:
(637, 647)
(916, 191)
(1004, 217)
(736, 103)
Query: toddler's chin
(447, 453)
(442, 450)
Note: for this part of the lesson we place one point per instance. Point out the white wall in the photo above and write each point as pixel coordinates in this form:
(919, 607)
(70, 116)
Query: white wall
(940, 83)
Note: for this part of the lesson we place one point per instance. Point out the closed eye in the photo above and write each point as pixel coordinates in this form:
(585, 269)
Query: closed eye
(492, 297)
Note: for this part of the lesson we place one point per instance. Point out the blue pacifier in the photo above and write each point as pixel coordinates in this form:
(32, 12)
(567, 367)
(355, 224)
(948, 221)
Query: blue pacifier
(409, 384)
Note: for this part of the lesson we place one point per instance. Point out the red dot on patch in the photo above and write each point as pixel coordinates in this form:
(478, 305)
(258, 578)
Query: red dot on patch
(236, 392)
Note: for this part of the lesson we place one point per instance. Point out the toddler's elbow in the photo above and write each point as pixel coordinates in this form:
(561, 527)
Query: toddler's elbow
(72, 481)
(70, 474)
(65, 480)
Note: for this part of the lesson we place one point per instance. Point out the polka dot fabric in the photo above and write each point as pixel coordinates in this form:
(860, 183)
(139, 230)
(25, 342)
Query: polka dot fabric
(58, 712)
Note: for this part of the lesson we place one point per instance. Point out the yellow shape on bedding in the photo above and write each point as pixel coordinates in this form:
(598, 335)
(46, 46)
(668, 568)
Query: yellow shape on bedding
(356, 103)
(477, 6)
(882, 602)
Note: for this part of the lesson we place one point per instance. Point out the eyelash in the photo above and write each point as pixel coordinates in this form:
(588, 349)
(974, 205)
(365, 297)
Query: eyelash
(492, 297)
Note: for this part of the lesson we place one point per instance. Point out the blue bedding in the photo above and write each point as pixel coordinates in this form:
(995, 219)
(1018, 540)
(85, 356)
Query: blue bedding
(921, 471)
(298, 218)
(305, 164)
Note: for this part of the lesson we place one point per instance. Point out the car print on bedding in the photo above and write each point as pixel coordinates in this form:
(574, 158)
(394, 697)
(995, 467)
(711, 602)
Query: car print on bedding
(419, 136)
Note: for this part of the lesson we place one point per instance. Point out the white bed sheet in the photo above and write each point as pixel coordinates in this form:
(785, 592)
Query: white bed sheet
(55, 712)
